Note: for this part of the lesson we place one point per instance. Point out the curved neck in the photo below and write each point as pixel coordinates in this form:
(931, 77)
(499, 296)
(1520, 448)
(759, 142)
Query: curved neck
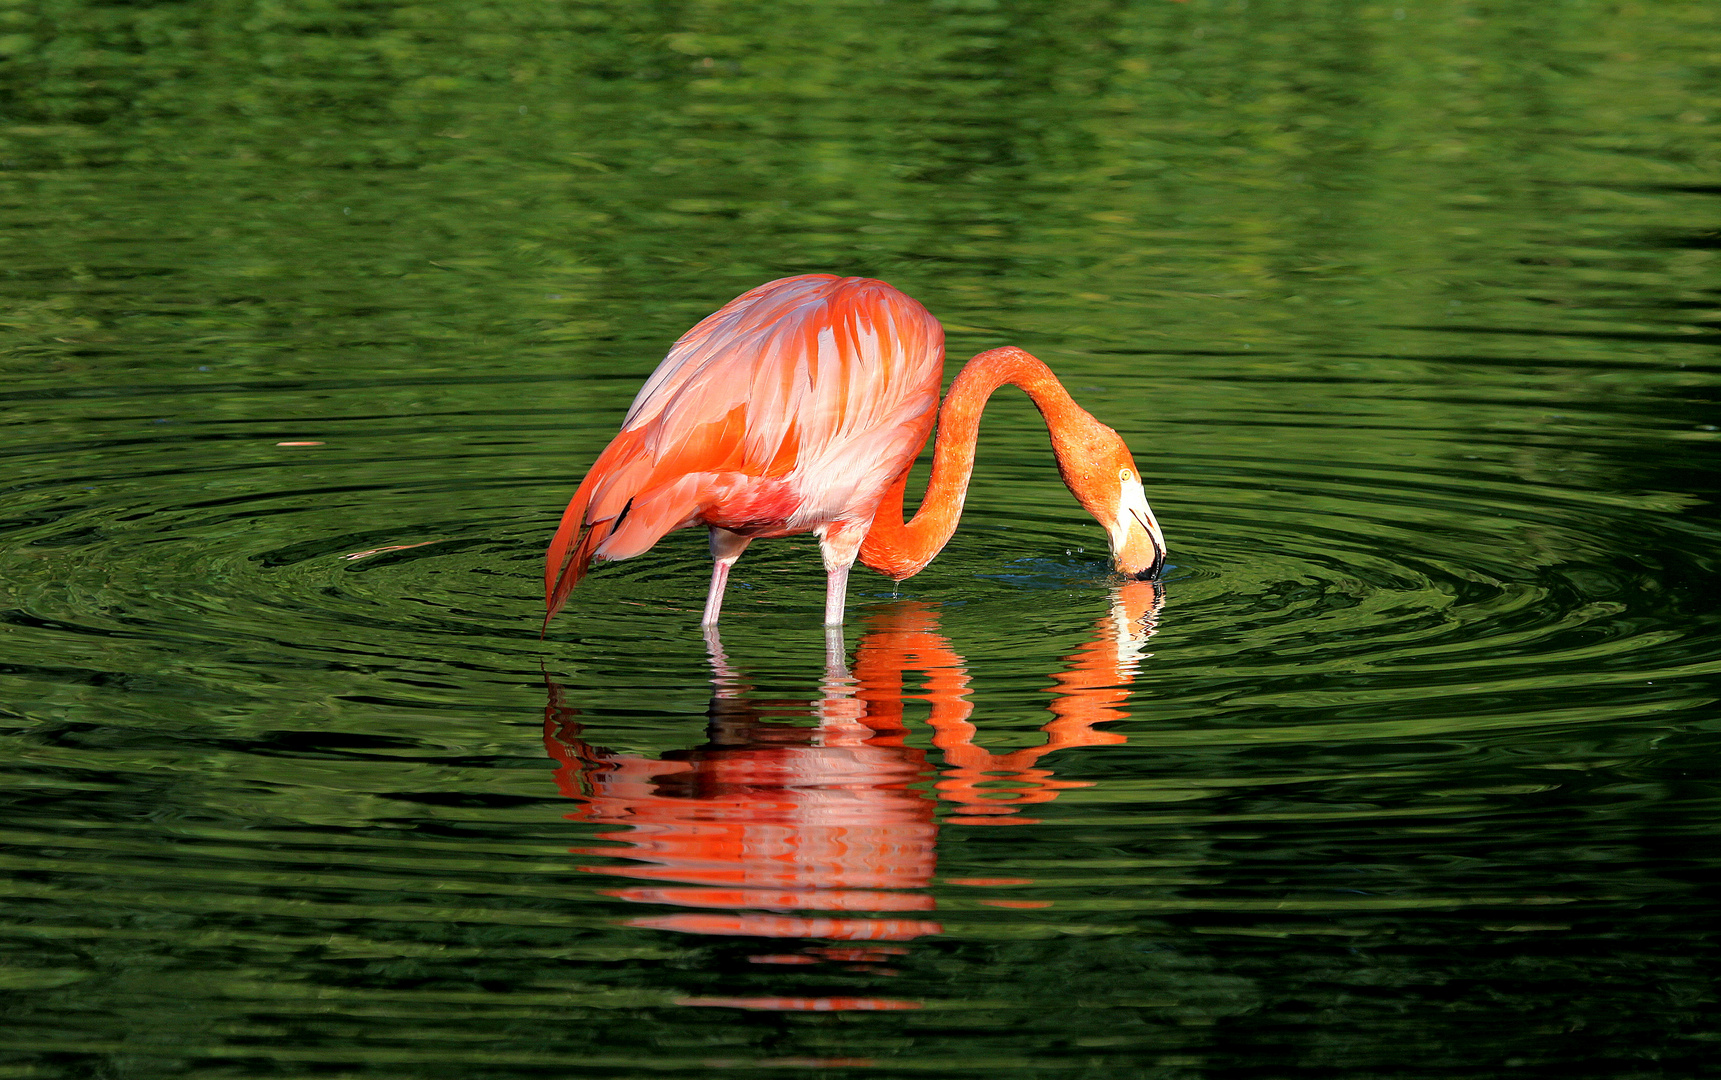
(902, 549)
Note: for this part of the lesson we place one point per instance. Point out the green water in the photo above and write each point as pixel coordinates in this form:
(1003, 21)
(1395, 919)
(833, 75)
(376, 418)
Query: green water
(1409, 313)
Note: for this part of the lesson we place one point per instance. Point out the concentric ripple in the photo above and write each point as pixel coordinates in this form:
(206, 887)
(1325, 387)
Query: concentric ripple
(1448, 587)
(288, 690)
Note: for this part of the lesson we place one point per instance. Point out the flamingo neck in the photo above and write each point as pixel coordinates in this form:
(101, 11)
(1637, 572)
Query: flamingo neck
(901, 549)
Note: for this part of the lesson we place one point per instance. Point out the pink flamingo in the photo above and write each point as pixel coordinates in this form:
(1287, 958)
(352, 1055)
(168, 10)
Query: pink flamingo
(800, 406)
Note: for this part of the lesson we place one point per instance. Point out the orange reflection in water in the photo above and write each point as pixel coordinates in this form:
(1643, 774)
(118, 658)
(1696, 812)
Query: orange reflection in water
(834, 817)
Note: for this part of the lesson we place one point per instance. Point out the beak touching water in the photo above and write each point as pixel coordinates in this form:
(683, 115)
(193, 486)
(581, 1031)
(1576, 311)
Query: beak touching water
(1137, 546)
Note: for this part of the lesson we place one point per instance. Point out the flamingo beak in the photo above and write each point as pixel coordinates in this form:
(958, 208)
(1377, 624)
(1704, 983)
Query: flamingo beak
(1137, 545)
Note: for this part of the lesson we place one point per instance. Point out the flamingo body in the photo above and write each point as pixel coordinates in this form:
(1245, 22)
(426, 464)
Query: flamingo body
(790, 409)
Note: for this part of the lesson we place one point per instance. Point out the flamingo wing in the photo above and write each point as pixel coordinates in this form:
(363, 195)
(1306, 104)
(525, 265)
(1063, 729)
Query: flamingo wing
(795, 404)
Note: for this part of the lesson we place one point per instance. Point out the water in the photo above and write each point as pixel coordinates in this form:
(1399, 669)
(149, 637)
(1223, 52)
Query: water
(311, 316)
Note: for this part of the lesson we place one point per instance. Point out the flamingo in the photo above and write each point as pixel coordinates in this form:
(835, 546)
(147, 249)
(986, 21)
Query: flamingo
(800, 406)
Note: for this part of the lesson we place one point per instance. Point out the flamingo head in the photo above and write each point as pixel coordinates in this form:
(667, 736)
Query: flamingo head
(1137, 545)
(1100, 471)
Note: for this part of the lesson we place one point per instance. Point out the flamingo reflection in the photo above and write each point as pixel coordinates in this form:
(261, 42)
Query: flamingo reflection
(834, 817)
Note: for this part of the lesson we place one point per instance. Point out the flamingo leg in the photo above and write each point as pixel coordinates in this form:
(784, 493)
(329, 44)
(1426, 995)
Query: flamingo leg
(726, 547)
(840, 541)
(836, 594)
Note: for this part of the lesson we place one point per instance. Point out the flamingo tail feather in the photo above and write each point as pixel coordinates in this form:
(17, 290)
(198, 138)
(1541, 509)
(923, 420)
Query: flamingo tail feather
(639, 524)
(570, 554)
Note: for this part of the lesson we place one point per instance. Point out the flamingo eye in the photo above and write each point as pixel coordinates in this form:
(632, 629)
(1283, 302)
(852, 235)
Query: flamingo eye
(1125, 475)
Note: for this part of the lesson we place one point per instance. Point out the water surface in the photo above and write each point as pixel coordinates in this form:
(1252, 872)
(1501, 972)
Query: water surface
(312, 316)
